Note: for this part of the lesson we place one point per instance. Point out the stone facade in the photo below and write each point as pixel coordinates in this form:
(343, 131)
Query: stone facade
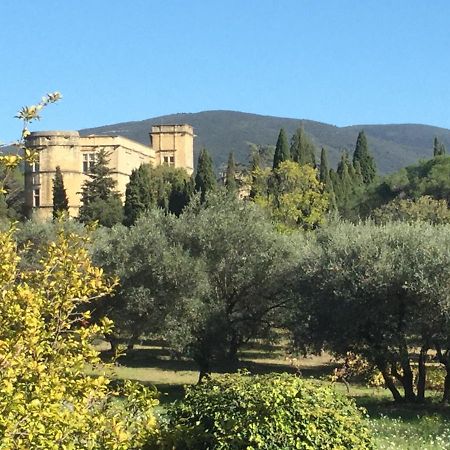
(170, 144)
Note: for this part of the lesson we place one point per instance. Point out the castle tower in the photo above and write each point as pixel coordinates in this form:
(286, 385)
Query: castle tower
(174, 145)
(56, 148)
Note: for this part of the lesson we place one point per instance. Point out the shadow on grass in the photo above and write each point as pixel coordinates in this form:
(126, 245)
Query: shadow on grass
(410, 412)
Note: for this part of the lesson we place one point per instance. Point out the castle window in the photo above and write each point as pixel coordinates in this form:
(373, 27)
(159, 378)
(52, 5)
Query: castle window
(169, 160)
(88, 161)
(35, 166)
(36, 198)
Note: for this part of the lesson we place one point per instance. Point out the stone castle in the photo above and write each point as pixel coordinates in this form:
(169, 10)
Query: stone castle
(75, 154)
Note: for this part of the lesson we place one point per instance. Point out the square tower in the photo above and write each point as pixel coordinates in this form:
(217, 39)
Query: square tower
(174, 145)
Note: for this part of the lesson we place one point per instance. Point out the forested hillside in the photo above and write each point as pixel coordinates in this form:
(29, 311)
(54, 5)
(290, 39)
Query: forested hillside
(394, 146)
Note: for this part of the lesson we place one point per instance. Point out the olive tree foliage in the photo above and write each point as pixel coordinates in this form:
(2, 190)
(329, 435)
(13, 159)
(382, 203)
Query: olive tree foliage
(247, 265)
(380, 292)
(208, 281)
(159, 281)
(425, 208)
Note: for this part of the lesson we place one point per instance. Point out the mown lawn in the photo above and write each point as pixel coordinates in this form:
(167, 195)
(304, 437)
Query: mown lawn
(423, 427)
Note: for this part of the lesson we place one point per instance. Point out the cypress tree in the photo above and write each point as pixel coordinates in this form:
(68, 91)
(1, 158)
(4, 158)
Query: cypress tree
(438, 148)
(344, 185)
(282, 152)
(138, 194)
(230, 180)
(205, 179)
(366, 161)
(358, 178)
(325, 178)
(302, 149)
(60, 201)
(259, 184)
(324, 174)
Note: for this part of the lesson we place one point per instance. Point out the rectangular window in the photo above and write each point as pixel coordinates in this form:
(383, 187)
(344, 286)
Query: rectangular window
(88, 161)
(35, 166)
(169, 160)
(36, 198)
(35, 179)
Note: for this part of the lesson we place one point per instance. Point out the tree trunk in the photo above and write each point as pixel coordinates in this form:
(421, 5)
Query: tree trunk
(389, 381)
(204, 369)
(444, 360)
(114, 343)
(133, 339)
(422, 376)
(408, 376)
(233, 349)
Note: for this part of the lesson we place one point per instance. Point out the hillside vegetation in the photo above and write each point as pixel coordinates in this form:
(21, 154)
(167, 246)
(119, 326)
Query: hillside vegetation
(394, 146)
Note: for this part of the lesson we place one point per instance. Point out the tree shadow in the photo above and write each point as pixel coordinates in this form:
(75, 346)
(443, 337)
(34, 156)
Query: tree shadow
(410, 412)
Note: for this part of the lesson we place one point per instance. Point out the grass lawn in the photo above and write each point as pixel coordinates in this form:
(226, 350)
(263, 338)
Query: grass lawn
(421, 427)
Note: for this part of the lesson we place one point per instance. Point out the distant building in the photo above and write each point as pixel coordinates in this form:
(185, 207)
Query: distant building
(74, 154)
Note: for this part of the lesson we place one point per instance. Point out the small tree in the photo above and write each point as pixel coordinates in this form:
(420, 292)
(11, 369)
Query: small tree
(205, 179)
(60, 201)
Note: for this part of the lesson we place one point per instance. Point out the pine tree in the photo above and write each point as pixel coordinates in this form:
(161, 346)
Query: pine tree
(366, 161)
(99, 199)
(438, 148)
(230, 181)
(282, 152)
(205, 179)
(302, 149)
(60, 201)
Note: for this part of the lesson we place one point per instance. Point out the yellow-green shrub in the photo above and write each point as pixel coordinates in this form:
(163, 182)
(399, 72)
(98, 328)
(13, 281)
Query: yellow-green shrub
(46, 399)
(264, 412)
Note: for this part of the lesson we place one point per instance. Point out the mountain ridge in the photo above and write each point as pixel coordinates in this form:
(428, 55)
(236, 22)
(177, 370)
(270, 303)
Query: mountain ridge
(221, 131)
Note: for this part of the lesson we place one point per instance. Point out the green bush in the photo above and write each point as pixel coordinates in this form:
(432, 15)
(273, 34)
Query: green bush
(264, 412)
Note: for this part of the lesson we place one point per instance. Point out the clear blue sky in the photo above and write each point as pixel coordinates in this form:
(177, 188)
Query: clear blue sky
(338, 61)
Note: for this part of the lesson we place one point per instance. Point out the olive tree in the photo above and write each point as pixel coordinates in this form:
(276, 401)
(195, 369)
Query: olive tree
(247, 265)
(380, 292)
(207, 281)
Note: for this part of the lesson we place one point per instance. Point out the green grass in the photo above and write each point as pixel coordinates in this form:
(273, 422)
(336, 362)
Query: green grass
(423, 427)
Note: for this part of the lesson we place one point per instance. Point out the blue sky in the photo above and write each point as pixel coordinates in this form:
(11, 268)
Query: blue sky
(338, 61)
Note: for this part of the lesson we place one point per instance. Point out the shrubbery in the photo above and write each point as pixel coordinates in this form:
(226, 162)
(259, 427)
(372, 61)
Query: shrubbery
(47, 401)
(264, 412)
